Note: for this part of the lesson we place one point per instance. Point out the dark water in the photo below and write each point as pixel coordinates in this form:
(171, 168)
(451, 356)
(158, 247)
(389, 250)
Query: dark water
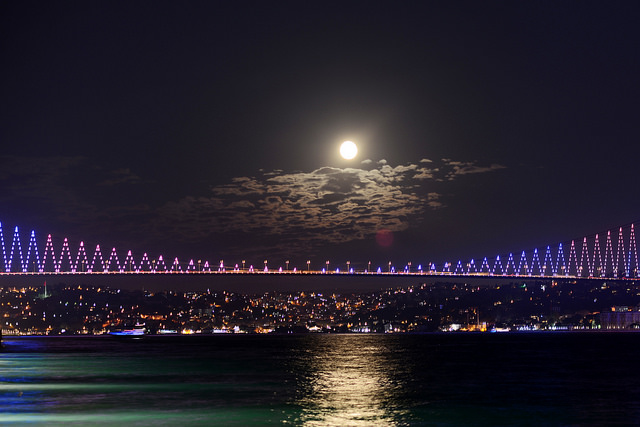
(323, 380)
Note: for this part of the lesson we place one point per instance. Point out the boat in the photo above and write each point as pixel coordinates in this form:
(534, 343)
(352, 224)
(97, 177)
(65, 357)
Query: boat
(137, 331)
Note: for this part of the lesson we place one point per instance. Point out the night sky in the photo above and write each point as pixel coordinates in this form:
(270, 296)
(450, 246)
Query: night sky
(211, 129)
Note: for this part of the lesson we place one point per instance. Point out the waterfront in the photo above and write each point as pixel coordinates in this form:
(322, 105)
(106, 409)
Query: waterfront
(522, 306)
(374, 379)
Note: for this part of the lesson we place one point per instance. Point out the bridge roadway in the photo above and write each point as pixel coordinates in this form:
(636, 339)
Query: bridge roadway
(309, 273)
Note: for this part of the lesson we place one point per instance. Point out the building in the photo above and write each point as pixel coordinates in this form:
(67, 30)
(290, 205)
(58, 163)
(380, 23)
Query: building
(621, 317)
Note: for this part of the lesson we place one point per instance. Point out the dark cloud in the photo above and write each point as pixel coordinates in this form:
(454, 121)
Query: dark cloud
(466, 168)
(72, 195)
(119, 177)
(272, 212)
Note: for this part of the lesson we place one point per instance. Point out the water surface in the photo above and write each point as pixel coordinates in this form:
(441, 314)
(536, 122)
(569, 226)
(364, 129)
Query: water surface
(323, 380)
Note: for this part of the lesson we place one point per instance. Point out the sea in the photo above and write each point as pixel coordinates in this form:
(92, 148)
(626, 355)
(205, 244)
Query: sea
(440, 379)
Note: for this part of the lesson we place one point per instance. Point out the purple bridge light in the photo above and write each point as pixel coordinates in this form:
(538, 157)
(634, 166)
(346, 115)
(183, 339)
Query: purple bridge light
(614, 256)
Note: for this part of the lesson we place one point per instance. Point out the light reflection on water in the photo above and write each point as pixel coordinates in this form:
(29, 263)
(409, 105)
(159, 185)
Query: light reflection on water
(98, 381)
(347, 380)
(328, 380)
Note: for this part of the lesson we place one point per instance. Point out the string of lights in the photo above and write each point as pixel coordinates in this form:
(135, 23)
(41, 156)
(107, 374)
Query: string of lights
(619, 263)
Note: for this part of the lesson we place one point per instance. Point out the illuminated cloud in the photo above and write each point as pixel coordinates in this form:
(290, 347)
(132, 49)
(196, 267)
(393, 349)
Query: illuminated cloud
(329, 204)
(326, 206)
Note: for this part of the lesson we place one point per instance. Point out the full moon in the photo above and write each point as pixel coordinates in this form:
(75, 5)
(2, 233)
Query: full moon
(348, 150)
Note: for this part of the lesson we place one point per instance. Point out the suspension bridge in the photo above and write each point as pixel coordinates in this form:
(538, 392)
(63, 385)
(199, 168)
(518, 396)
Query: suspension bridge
(611, 254)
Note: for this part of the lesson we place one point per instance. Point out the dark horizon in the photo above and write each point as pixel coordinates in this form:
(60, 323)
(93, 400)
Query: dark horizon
(260, 283)
(247, 283)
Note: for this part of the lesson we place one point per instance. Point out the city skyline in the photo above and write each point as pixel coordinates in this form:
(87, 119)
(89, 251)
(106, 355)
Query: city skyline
(212, 131)
(533, 305)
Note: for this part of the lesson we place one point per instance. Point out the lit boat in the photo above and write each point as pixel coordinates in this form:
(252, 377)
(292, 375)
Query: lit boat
(137, 331)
